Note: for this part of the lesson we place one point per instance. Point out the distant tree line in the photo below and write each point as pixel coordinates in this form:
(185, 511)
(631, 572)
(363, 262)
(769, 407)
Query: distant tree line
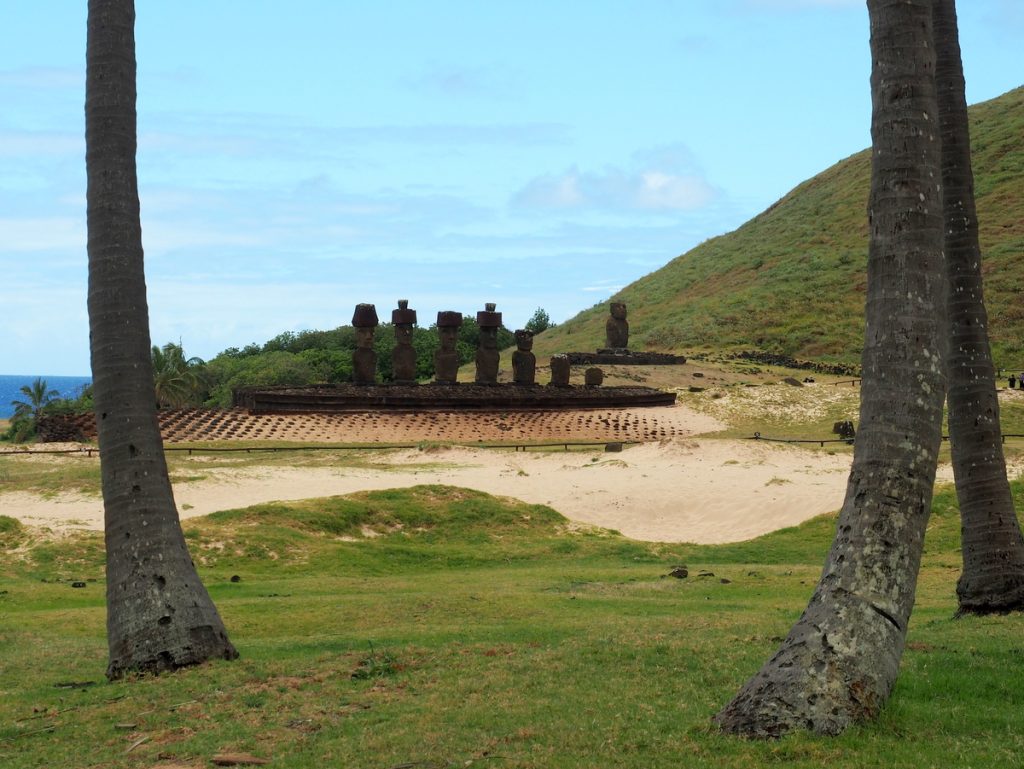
(290, 358)
(325, 357)
(38, 400)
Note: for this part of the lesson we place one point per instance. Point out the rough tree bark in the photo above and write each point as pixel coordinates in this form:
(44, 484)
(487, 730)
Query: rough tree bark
(159, 615)
(993, 548)
(839, 662)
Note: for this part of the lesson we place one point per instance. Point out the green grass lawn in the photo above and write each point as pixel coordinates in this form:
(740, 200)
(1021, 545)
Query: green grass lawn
(440, 627)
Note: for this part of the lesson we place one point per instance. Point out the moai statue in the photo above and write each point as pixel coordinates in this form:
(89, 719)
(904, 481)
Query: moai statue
(524, 362)
(593, 377)
(616, 329)
(403, 357)
(487, 356)
(364, 358)
(446, 359)
(560, 369)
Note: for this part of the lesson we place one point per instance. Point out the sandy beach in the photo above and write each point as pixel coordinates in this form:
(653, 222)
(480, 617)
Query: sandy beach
(680, 484)
(682, 490)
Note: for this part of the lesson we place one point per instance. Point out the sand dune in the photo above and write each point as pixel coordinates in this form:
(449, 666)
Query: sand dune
(692, 490)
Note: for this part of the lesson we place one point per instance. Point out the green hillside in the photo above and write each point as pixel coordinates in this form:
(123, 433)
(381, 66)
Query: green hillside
(792, 279)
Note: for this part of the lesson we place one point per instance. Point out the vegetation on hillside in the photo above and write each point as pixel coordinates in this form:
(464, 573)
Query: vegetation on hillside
(792, 279)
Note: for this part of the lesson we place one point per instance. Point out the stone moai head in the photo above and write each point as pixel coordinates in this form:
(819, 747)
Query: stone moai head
(618, 310)
(489, 322)
(365, 321)
(403, 319)
(364, 359)
(593, 377)
(524, 340)
(448, 324)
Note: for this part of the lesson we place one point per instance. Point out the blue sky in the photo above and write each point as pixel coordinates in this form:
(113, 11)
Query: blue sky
(296, 159)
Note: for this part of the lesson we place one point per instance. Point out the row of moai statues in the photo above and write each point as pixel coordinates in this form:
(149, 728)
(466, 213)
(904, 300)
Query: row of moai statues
(446, 358)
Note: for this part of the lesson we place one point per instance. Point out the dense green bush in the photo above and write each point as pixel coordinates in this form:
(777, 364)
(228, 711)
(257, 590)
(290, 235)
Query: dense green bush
(325, 357)
(226, 373)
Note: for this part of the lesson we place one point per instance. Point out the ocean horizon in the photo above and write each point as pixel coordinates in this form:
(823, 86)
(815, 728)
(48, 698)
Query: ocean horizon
(11, 384)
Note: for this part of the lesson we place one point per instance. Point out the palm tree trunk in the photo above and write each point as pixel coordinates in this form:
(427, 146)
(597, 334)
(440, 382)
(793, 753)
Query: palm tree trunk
(993, 548)
(839, 662)
(159, 615)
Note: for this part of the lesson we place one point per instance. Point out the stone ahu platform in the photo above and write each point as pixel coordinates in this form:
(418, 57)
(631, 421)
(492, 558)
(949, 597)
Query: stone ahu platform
(328, 399)
(613, 357)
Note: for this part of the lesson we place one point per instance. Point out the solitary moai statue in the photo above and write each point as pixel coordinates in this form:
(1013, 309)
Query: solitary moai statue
(364, 358)
(616, 329)
(524, 362)
(487, 356)
(446, 359)
(560, 369)
(403, 357)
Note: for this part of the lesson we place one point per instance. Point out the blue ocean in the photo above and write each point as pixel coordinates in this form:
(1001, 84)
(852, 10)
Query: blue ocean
(10, 388)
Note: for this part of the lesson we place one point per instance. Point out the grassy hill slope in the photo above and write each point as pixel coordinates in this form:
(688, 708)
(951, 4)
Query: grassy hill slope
(792, 279)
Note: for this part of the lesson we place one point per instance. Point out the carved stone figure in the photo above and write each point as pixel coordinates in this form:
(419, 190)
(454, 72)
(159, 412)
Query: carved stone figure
(594, 377)
(364, 358)
(403, 357)
(524, 362)
(560, 370)
(487, 356)
(446, 359)
(616, 329)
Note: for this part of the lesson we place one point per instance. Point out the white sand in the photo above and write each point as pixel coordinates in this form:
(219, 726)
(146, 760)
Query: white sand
(705, 490)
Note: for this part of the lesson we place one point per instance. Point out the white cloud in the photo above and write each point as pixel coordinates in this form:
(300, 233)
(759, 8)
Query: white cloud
(460, 81)
(22, 144)
(44, 77)
(43, 234)
(664, 179)
(169, 236)
(661, 190)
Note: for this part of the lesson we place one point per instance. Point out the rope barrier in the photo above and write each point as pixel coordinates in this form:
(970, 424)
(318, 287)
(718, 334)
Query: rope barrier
(822, 442)
(90, 451)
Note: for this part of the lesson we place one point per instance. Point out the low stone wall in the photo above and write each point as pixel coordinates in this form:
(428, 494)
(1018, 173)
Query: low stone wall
(785, 361)
(614, 358)
(327, 399)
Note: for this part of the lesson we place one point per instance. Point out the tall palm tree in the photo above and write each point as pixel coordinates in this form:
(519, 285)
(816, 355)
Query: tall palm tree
(840, 660)
(37, 395)
(159, 615)
(176, 379)
(993, 548)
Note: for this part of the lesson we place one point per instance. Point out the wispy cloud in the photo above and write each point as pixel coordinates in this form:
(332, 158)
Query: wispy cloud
(1007, 14)
(43, 77)
(258, 134)
(18, 144)
(461, 81)
(660, 180)
(43, 234)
